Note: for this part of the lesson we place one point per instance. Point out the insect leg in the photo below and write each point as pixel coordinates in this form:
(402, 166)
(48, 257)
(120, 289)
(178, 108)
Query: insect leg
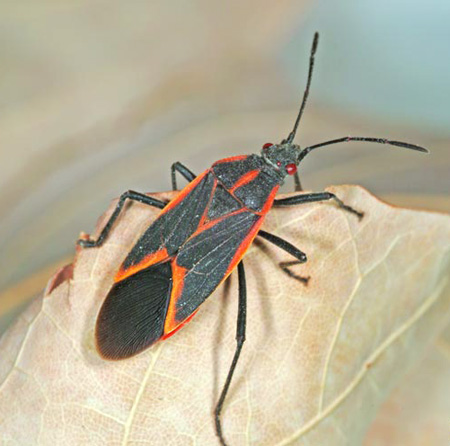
(290, 249)
(313, 197)
(284, 245)
(240, 338)
(182, 170)
(298, 185)
(131, 195)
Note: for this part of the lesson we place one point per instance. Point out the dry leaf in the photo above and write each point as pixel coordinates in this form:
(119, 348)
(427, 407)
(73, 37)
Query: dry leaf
(317, 364)
(418, 412)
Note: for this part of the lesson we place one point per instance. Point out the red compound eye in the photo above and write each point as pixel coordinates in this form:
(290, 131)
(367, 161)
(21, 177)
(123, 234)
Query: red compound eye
(291, 169)
(267, 145)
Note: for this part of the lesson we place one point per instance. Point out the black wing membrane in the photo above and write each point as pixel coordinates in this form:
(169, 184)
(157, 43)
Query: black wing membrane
(133, 314)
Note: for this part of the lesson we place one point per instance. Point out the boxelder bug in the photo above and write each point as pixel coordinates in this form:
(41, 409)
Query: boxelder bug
(198, 239)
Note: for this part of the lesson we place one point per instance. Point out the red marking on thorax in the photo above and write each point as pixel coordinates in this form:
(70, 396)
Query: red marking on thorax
(247, 178)
(231, 159)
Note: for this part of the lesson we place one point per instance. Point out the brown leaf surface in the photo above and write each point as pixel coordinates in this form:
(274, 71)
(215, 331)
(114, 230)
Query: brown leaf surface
(418, 411)
(317, 364)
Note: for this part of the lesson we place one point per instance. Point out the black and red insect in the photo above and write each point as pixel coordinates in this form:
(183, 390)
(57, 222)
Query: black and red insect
(198, 239)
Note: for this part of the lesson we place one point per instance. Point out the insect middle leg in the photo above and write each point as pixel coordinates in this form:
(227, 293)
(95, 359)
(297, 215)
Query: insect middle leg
(131, 195)
(290, 249)
(240, 339)
(316, 196)
(183, 171)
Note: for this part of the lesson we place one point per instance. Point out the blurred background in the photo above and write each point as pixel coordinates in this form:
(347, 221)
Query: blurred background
(100, 97)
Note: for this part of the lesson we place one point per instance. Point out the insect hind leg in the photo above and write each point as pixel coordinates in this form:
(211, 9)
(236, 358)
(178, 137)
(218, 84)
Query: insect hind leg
(240, 339)
(131, 195)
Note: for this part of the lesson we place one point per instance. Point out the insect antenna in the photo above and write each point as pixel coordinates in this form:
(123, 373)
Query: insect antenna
(291, 136)
(405, 145)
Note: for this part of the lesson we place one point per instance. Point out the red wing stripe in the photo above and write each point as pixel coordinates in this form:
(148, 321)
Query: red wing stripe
(244, 246)
(178, 274)
(269, 201)
(151, 259)
(179, 326)
(184, 192)
(203, 262)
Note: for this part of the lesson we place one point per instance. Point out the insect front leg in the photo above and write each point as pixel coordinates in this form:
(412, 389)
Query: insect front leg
(240, 339)
(298, 184)
(183, 171)
(131, 195)
(290, 249)
(316, 196)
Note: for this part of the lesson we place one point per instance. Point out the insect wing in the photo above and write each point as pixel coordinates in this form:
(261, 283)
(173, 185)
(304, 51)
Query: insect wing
(133, 314)
(206, 260)
(190, 249)
(174, 225)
